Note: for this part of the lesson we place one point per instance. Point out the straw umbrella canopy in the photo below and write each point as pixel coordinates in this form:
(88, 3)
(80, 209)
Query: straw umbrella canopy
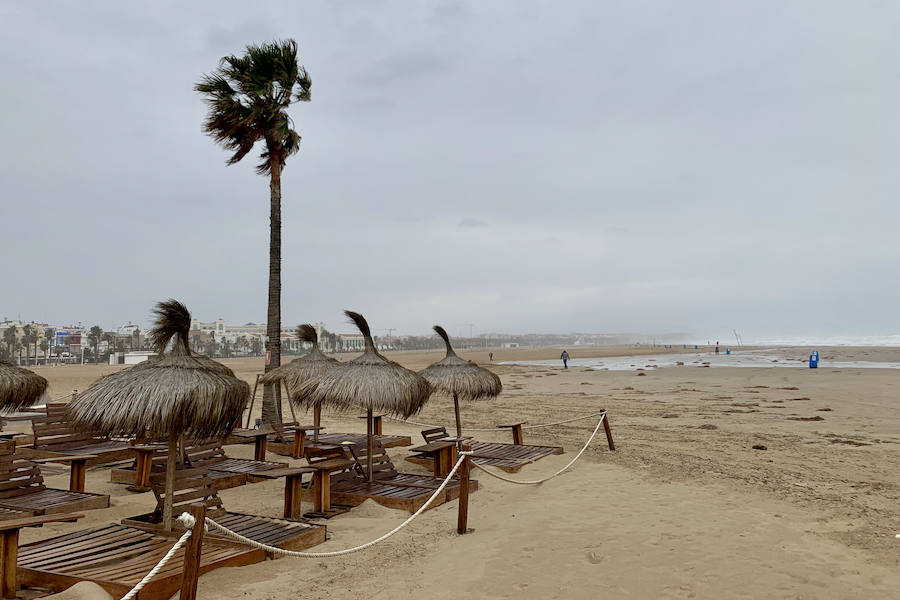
(173, 394)
(370, 382)
(460, 378)
(303, 369)
(19, 388)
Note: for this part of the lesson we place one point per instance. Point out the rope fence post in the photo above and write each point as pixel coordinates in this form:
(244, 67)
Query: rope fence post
(609, 440)
(462, 522)
(192, 553)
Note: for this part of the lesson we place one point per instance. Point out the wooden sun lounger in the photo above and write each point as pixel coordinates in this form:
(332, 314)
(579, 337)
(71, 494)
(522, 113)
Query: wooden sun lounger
(55, 436)
(386, 472)
(340, 481)
(195, 485)
(116, 557)
(22, 488)
(284, 439)
(225, 471)
(508, 457)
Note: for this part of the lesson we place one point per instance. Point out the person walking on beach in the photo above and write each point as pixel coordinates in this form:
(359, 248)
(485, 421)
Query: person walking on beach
(565, 358)
(491, 356)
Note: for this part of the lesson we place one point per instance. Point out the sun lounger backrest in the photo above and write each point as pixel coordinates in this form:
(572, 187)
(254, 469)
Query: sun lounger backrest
(191, 485)
(18, 476)
(205, 454)
(382, 466)
(338, 476)
(433, 435)
(55, 433)
(284, 431)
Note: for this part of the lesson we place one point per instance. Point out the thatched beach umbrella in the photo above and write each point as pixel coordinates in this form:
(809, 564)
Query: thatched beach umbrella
(173, 394)
(303, 369)
(19, 388)
(370, 382)
(460, 378)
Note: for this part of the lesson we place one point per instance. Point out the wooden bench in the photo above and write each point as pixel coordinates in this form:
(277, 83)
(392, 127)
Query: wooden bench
(516, 429)
(194, 485)
(55, 436)
(22, 488)
(293, 488)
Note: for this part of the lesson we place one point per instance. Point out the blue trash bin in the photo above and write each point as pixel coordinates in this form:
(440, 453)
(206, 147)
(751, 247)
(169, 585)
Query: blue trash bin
(727, 350)
(814, 360)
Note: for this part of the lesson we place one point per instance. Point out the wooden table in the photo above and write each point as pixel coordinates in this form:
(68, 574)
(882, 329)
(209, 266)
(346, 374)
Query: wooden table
(516, 431)
(444, 453)
(301, 432)
(9, 547)
(293, 487)
(322, 481)
(77, 468)
(313, 449)
(376, 423)
(259, 440)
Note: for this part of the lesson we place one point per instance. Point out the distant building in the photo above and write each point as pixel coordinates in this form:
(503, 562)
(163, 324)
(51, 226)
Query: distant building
(352, 342)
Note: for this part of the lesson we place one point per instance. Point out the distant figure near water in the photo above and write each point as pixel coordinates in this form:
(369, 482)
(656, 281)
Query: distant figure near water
(565, 358)
(491, 356)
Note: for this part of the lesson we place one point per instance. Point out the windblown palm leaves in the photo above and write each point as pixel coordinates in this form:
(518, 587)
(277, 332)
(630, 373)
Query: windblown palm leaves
(173, 394)
(369, 382)
(19, 388)
(460, 378)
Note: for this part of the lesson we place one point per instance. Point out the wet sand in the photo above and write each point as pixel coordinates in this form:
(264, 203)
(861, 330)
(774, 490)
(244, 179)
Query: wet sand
(685, 508)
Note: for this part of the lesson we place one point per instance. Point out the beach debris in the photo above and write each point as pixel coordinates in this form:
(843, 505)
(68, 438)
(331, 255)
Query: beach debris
(815, 418)
(826, 409)
(759, 447)
(679, 363)
(641, 374)
(708, 426)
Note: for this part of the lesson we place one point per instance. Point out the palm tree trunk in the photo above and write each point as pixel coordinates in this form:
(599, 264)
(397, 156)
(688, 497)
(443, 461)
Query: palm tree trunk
(271, 404)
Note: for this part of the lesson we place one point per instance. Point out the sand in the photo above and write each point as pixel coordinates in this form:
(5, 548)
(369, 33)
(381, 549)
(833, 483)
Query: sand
(685, 508)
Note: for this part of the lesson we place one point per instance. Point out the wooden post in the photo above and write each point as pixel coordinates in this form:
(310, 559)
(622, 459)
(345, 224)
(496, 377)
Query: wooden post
(322, 490)
(299, 443)
(259, 447)
(9, 555)
(517, 434)
(608, 431)
(370, 446)
(456, 410)
(376, 425)
(462, 522)
(287, 390)
(170, 480)
(77, 475)
(293, 489)
(192, 551)
(317, 421)
(252, 400)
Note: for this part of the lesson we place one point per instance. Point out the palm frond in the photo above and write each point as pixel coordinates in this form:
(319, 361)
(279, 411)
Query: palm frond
(172, 320)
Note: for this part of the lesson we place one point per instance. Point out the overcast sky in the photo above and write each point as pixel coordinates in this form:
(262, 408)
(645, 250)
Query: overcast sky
(522, 166)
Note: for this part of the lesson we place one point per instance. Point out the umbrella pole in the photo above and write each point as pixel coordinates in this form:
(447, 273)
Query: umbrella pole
(317, 418)
(252, 400)
(170, 481)
(456, 410)
(369, 444)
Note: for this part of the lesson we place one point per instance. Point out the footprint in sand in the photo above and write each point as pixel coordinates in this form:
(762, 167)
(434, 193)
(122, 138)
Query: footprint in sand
(594, 558)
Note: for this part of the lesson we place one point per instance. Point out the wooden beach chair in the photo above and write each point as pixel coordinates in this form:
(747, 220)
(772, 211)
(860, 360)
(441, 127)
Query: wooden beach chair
(54, 436)
(117, 557)
(288, 439)
(385, 472)
(340, 481)
(508, 457)
(195, 485)
(22, 488)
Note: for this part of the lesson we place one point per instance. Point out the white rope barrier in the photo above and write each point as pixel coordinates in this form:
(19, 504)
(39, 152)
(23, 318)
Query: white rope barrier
(560, 472)
(188, 522)
(283, 552)
(581, 418)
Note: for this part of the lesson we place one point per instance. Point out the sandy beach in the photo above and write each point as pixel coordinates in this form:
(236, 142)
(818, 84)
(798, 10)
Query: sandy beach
(685, 508)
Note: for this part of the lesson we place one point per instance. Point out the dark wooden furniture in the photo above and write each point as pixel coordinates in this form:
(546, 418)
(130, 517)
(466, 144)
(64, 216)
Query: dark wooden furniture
(9, 547)
(77, 468)
(293, 488)
(386, 472)
(55, 436)
(516, 429)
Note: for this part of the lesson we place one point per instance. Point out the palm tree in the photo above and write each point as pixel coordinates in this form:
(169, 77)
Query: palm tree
(10, 338)
(49, 334)
(248, 98)
(27, 335)
(94, 336)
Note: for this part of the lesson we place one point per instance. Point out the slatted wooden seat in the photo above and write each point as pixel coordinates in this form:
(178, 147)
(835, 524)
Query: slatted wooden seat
(55, 436)
(22, 488)
(385, 472)
(195, 485)
(116, 557)
(508, 457)
(348, 487)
